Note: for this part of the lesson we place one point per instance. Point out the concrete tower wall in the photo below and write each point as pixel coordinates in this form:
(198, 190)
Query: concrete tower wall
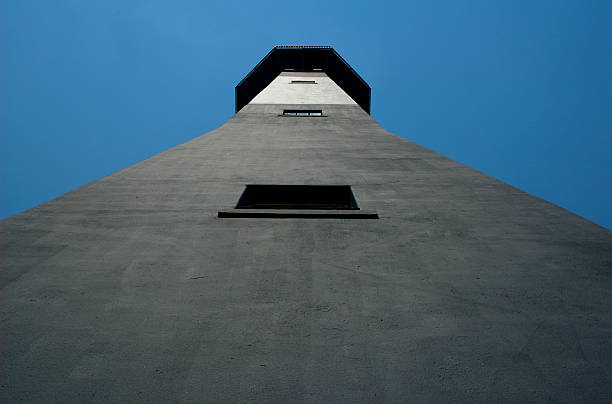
(131, 289)
(283, 91)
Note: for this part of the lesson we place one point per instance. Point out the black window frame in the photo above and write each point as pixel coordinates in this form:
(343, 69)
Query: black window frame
(302, 197)
(279, 201)
(303, 112)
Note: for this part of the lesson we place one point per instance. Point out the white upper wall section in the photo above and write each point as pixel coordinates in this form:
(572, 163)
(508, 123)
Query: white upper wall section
(282, 91)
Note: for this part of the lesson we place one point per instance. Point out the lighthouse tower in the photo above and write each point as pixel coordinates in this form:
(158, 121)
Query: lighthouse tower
(301, 253)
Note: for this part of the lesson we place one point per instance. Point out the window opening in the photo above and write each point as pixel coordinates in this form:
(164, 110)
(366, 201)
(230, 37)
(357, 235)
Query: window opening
(303, 112)
(302, 82)
(297, 197)
(298, 201)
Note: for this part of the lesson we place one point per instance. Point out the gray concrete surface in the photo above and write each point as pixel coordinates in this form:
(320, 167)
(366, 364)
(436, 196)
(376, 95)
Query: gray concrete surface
(130, 289)
(325, 91)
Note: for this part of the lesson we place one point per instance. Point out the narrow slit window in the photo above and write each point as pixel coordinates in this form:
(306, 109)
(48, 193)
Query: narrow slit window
(302, 82)
(302, 112)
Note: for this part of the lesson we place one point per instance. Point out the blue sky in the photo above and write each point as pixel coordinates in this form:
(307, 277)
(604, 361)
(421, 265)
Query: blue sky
(520, 90)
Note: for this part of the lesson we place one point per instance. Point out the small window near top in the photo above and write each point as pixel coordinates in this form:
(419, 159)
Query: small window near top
(303, 112)
(302, 82)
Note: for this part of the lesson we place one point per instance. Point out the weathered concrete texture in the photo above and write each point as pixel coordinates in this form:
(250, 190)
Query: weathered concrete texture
(130, 289)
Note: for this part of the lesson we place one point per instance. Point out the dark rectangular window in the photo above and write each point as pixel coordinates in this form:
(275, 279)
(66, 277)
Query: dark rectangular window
(298, 202)
(302, 82)
(310, 197)
(303, 112)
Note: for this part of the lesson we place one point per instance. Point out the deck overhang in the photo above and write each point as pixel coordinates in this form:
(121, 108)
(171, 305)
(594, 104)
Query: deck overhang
(303, 59)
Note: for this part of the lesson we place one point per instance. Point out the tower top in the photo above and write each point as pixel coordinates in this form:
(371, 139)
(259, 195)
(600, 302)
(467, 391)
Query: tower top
(303, 59)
